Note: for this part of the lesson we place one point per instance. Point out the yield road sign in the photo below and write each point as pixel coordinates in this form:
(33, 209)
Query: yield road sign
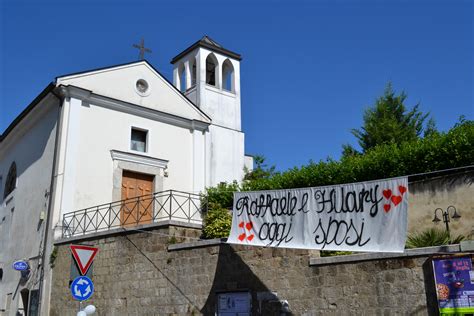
(82, 288)
(84, 255)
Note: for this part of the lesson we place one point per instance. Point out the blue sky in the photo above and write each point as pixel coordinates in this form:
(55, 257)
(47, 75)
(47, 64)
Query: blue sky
(309, 68)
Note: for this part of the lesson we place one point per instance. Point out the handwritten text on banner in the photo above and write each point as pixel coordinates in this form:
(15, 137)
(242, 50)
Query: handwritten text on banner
(367, 216)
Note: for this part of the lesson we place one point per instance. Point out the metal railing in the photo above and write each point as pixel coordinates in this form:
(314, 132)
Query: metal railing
(146, 209)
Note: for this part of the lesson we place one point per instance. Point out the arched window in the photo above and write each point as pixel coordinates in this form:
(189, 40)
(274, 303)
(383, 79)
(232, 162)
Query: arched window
(227, 76)
(10, 184)
(211, 67)
(193, 72)
(182, 78)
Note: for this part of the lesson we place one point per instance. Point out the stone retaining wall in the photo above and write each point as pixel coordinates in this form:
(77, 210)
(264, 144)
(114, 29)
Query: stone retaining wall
(145, 273)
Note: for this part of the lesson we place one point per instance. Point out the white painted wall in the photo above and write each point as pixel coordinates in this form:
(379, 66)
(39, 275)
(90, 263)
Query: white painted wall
(93, 131)
(248, 162)
(226, 148)
(31, 146)
(120, 83)
(227, 155)
(100, 109)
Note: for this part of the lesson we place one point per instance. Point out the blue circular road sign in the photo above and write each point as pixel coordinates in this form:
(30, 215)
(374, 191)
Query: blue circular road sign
(20, 265)
(82, 288)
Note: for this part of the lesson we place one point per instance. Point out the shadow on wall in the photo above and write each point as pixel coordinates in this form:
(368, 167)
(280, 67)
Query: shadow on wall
(33, 145)
(233, 275)
(423, 183)
(430, 288)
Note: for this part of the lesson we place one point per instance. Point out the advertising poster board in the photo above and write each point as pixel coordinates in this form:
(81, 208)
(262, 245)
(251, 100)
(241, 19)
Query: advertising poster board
(454, 281)
(234, 303)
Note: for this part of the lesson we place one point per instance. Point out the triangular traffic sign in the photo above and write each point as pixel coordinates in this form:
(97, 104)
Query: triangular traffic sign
(84, 255)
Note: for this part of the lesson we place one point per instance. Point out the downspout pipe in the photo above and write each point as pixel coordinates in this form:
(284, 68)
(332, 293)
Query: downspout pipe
(50, 202)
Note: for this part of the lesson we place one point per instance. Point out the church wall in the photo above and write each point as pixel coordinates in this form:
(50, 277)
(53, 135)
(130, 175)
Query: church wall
(192, 95)
(227, 155)
(102, 130)
(120, 83)
(220, 105)
(23, 213)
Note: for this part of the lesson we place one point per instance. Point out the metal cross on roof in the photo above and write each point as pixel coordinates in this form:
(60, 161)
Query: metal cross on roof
(142, 49)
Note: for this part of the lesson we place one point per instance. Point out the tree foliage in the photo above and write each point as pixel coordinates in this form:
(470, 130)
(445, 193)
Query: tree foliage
(437, 152)
(261, 170)
(221, 195)
(389, 122)
(217, 222)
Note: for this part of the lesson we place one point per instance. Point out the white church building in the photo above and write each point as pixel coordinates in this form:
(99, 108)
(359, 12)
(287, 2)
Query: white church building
(114, 147)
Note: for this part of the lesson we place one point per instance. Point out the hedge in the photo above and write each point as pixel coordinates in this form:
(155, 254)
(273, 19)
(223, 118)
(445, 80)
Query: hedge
(437, 152)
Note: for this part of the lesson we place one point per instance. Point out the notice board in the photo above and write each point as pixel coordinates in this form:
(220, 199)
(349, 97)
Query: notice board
(454, 281)
(234, 303)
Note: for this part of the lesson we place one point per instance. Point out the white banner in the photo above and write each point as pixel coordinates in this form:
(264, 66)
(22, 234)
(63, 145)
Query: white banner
(366, 216)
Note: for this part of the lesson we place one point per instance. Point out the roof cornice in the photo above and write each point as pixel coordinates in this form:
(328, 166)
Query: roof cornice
(206, 45)
(130, 108)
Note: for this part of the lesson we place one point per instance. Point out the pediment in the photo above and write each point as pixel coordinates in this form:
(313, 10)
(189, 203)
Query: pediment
(120, 83)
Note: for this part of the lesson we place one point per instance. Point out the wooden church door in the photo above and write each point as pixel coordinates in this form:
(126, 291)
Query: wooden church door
(136, 211)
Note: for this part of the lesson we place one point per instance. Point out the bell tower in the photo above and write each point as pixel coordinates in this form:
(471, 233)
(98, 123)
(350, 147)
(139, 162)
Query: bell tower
(209, 75)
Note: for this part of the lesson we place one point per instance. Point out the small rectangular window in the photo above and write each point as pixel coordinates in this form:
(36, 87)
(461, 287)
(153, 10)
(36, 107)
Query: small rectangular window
(138, 141)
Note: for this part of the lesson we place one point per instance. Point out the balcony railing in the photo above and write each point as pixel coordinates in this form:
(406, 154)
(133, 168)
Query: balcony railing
(146, 209)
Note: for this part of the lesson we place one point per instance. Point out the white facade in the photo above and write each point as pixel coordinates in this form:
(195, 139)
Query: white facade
(30, 146)
(72, 147)
(220, 100)
(97, 125)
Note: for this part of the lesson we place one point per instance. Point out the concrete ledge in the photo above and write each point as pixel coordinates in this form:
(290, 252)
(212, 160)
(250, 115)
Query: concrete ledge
(418, 252)
(467, 245)
(126, 230)
(197, 244)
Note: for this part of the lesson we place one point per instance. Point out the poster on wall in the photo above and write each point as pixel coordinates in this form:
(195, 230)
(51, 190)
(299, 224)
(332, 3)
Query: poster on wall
(454, 280)
(366, 216)
(234, 304)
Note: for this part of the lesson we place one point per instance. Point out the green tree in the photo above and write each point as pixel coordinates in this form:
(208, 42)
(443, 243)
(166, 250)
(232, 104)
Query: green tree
(221, 195)
(389, 122)
(431, 129)
(349, 151)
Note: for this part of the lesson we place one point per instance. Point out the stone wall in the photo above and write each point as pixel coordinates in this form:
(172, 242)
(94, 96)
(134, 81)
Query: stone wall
(146, 273)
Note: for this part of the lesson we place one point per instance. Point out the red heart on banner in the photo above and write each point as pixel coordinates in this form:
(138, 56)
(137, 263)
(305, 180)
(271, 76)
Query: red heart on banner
(387, 193)
(241, 225)
(402, 189)
(242, 237)
(386, 208)
(249, 225)
(249, 238)
(396, 199)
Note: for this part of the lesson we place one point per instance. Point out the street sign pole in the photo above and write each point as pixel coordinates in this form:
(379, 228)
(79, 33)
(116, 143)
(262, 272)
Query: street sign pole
(82, 288)
(83, 255)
